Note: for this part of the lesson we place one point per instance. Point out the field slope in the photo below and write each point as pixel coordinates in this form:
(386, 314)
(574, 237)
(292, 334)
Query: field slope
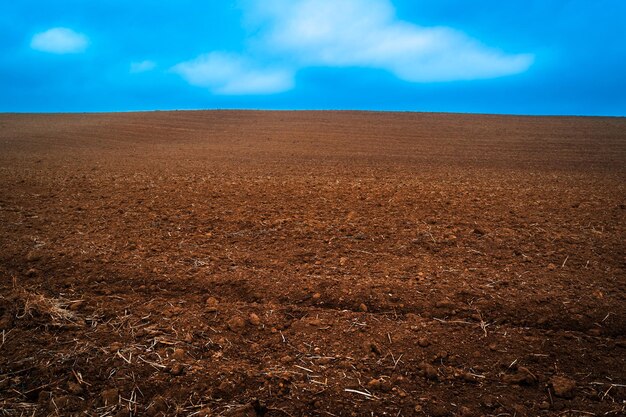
(245, 263)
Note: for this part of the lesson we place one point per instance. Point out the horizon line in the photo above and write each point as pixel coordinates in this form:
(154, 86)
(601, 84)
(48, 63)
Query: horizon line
(306, 110)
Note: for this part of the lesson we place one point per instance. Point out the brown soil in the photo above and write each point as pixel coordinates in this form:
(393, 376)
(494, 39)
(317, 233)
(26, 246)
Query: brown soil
(312, 263)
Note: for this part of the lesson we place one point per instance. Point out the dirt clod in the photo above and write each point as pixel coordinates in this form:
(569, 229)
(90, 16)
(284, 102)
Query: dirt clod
(429, 371)
(287, 359)
(179, 354)
(110, 396)
(74, 388)
(176, 369)
(423, 342)
(468, 377)
(563, 387)
(466, 412)
(374, 384)
(522, 376)
(254, 319)
(212, 304)
(236, 324)
(33, 256)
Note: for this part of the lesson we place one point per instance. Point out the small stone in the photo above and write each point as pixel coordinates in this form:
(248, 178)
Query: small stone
(551, 267)
(544, 405)
(423, 342)
(254, 319)
(363, 307)
(236, 324)
(110, 396)
(563, 386)
(316, 296)
(211, 304)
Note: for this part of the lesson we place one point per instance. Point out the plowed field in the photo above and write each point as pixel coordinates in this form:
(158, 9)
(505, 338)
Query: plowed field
(231, 263)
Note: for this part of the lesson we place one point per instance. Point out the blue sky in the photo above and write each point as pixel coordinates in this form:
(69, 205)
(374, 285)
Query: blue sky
(518, 57)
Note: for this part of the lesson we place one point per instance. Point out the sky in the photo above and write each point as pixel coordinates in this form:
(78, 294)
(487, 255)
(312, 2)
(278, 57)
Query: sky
(536, 57)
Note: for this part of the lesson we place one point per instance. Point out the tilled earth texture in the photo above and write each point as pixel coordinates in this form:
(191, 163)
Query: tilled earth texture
(230, 263)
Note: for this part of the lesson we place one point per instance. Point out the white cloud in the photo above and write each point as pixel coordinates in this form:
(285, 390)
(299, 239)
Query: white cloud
(295, 34)
(366, 33)
(60, 41)
(234, 74)
(142, 66)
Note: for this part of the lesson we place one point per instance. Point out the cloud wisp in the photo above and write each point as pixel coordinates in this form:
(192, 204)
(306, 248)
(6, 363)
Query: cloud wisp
(142, 66)
(348, 33)
(234, 74)
(60, 41)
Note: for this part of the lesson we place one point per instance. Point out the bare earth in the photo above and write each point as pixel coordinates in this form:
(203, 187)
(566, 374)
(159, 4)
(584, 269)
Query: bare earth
(312, 264)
